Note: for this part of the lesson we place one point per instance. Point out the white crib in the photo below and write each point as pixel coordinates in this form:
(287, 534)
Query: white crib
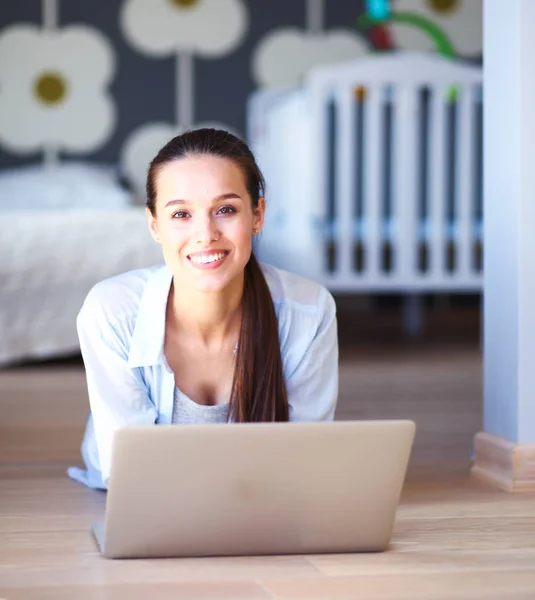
(374, 172)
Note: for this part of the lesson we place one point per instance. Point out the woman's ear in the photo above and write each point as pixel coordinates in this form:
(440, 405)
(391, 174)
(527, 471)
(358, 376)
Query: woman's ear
(258, 216)
(153, 226)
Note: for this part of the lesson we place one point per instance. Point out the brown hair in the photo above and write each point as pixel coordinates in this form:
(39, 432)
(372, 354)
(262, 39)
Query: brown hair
(258, 387)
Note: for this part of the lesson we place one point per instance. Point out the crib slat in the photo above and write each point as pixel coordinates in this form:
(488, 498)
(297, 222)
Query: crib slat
(437, 183)
(465, 180)
(319, 192)
(405, 198)
(345, 176)
(371, 189)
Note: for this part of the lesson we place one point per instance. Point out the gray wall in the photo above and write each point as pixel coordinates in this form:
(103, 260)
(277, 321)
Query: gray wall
(144, 87)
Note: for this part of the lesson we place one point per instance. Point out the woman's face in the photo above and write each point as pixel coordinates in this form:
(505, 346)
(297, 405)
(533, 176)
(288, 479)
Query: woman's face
(204, 221)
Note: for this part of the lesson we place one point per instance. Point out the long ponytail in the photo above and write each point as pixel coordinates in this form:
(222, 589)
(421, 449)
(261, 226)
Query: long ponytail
(258, 389)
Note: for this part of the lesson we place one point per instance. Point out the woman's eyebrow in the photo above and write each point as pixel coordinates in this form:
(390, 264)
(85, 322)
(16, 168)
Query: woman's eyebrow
(226, 196)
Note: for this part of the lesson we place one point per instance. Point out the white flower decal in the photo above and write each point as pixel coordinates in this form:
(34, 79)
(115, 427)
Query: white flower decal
(285, 56)
(460, 20)
(140, 148)
(53, 89)
(143, 145)
(185, 28)
(203, 27)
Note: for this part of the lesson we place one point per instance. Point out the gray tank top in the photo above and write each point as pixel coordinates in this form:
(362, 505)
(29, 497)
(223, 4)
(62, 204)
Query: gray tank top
(187, 412)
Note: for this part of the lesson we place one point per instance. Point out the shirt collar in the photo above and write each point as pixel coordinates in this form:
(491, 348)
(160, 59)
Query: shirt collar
(146, 348)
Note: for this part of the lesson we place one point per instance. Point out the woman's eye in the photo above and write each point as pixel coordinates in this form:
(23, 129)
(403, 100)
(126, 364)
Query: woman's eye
(180, 214)
(226, 210)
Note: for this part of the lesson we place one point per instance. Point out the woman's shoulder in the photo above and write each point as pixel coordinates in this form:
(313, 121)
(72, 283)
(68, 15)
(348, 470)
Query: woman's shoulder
(117, 298)
(296, 295)
(306, 314)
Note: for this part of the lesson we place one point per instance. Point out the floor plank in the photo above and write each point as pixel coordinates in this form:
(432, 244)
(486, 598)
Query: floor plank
(491, 585)
(144, 591)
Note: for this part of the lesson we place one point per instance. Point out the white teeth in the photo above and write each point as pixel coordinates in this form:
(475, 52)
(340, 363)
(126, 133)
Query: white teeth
(207, 258)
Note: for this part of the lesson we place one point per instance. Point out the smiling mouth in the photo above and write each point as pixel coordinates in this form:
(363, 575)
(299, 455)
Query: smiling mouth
(206, 260)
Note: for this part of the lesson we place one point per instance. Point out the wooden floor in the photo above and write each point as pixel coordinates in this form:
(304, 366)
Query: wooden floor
(453, 537)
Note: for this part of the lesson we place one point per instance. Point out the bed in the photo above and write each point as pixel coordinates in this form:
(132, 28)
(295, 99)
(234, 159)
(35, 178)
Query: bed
(61, 232)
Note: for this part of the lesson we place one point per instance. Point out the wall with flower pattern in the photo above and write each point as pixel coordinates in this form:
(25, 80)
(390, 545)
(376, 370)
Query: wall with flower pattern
(112, 80)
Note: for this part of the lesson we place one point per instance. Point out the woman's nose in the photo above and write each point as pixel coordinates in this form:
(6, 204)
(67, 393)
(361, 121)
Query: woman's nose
(206, 230)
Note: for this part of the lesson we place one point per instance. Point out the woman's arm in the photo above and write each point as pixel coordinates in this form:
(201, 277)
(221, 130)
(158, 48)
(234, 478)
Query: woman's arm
(313, 384)
(117, 395)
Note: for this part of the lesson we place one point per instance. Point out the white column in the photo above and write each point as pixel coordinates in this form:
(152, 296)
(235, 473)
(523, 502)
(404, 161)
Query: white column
(509, 213)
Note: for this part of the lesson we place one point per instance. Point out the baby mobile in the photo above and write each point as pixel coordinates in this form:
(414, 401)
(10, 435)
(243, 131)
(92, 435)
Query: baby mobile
(379, 21)
(379, 17)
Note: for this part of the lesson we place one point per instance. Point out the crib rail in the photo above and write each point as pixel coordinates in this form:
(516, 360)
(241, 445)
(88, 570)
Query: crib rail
(392, 182)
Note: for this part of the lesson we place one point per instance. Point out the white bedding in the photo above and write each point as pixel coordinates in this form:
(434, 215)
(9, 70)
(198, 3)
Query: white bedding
(48, 262)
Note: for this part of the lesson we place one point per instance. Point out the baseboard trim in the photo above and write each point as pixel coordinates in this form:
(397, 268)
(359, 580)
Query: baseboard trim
(504, 464)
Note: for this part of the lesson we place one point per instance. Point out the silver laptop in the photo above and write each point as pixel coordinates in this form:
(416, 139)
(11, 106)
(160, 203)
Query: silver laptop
(254, 489)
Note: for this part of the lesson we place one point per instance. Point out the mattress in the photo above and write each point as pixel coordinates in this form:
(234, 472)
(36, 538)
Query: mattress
(49, 260)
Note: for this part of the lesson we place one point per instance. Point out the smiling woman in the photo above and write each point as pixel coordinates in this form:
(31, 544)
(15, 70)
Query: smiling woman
(211, 336)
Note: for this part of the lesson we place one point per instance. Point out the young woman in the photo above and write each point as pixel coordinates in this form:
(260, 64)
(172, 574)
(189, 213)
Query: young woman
(210, 336)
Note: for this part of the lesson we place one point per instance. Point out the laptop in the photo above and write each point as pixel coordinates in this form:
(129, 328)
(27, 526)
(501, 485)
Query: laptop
(254, 489)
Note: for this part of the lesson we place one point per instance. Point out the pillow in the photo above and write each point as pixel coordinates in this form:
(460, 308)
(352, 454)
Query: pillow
(65, 186)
